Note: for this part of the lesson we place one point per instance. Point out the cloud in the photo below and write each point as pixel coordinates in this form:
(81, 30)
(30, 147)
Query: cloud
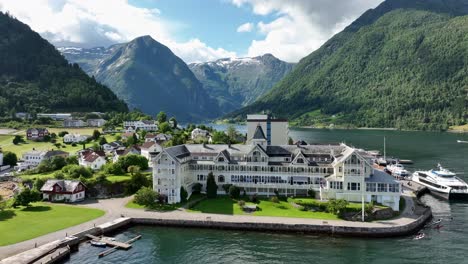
(301, 26)
(246, 27)
(90, 23)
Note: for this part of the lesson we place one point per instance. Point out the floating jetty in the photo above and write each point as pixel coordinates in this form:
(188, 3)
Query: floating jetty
(107, 252)
(109, 242)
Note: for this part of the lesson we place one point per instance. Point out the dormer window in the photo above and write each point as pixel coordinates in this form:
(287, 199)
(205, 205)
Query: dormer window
(221, 159)
(300, 160)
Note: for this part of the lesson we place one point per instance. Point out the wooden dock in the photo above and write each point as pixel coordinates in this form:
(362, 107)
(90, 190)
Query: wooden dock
(109, 242)
(107, 252)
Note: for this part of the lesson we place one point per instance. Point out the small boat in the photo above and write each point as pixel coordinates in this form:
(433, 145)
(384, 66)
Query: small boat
(462, 141)
(438, 221)
(397, 170)
(419, 236)
(97, 243)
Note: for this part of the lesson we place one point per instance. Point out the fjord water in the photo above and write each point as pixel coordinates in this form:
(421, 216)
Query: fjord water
(426, 149)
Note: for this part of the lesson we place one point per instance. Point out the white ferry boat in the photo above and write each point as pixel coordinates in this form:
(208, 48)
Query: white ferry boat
(442, 182)
(397, 170)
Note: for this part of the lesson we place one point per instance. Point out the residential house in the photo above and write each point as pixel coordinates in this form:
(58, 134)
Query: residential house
(56, 116)
(32, 158)
(74, 123)
(54, 153)
(93, 159)
(199, 133)
(128, 135)
(147, 125)
(36, 134)
(96, 122)
(109, 147)
(74, 138)
(135, 149)
(63, 190)
(150, 148)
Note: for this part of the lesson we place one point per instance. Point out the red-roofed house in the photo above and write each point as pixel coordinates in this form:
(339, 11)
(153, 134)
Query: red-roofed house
(93, 159)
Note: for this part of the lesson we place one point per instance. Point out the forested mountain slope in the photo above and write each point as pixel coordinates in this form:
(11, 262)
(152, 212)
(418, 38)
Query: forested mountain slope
(403, 64)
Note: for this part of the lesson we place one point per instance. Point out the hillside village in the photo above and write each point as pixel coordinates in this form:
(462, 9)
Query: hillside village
(105, 157)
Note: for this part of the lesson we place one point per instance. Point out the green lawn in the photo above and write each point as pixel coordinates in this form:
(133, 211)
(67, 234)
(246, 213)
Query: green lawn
(226, 205)
(24, 223)
(120, 178)
(167, 207)
(35, 176)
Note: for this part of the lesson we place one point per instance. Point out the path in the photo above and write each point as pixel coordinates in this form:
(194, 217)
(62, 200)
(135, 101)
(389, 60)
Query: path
(115, 208)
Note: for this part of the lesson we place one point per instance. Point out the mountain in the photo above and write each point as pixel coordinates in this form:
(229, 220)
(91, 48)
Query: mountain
(237, 82)
(148, 76)
(403, 64)
(35, 77)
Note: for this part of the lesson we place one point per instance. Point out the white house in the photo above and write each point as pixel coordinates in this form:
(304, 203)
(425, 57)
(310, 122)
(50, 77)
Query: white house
(63, 190)
(93, 159)
(128, 135)
(109, 147)
(197, 133)
(150, 147)
(147, 125)
(32, 158)
(125, 151)
(159, 138)
(73, 123)
(74, 138)
(56, 116)
(96, 122)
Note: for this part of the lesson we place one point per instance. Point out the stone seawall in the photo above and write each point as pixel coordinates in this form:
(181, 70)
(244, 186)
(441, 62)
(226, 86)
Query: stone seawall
(324, 228)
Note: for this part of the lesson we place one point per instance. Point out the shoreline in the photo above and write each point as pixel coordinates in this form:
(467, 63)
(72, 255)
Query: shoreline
(408, 223)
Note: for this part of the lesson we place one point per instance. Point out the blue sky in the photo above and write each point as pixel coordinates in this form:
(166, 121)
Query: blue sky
(195, 30)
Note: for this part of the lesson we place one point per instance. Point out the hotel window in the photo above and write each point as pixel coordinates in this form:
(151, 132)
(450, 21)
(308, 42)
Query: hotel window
(354, 186)
(381, 187)
(393, 188)
(370, 187)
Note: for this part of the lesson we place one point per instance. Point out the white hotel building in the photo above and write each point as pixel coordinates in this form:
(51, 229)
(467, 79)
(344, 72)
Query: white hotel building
(333, 171)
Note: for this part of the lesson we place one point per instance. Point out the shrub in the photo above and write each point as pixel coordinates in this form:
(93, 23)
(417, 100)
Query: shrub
(274, 199)
(226, 187)
(146, 196)
(183, 195)
(234, 192)
(276, 192)
(162, 198)
(241, 203)
(62, 133)
(337, 207)
(311, 193)
(254, 198)
(196, 188)
(211, 187)
(137, 181)
(132, 159)
(9, 158)
(26, 197)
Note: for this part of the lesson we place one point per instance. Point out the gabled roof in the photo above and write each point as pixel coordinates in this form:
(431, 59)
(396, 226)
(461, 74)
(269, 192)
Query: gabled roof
(66, 185)
(259, 133)
(179, 151)
(52, 153)
(148, 145)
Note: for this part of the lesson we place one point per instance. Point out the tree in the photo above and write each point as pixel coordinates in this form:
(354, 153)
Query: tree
(9, 158)
(211, 187)
(290, 141)
(112, 168)
(146, 196)
(226, 187)
(76, 171)
(58, 162)
(132, 159)
(26, 197)
(38, 183)
(18, 139)
(47, 138)
(137, 181)
(53, 135)
(219, 137)
(197, 187)
(183, 194)
(62, 133)
(133, 169)
(44, 166)
(164, 127)
(337, 207)
(234, 192)
(161, 117)
(72, 160)
(232, 133)
(96, 134)
(174, 122)
(102, 141)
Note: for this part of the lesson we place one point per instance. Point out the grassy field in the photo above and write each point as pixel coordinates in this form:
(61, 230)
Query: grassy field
(226, 205)
(25, 223)
(7, 145)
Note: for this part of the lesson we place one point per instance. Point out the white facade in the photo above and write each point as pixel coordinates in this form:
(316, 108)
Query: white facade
(197, 133)
(93, 160)
(33, 158)
(147, 125)
(74, 138)
(276, 130)
(333, 171)
(57, 116)
(73, 123)
(96, 122)
(149, 147)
